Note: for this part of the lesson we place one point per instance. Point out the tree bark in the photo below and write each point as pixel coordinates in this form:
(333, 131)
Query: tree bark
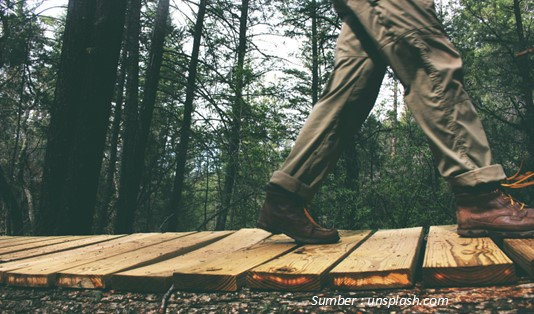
(175, 211)
(151, 84)
(315, 54)
(394, 121)
(80, 115)
(527, 86)
(13, 212)
(128, 190)
(235, 131)
(109, 188)
(135, 164)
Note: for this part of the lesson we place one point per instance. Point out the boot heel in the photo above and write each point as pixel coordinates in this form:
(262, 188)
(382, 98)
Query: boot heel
(472, 233)
(267, 228)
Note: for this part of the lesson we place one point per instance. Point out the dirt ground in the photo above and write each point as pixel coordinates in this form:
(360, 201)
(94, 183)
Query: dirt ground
(516, 298)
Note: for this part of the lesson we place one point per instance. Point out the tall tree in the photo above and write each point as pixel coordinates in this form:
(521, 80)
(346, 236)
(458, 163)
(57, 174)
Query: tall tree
(135, 164)
(315, 25)
(129, 176)
(79, 116)
(492, 36)
(174, 211)
(109, 185)
(13, 213)
(315, 51)
(524, 68)
(236, 119)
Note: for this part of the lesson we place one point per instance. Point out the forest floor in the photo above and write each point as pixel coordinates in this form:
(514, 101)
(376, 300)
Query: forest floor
(514, 298)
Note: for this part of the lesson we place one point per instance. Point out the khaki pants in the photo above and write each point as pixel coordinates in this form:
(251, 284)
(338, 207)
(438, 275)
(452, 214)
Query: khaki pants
(407, 36)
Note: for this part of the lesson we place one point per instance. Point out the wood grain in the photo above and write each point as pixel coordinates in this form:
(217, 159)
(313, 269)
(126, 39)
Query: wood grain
(53, 248)
(451, 260)
(228, 272)
(43, 273)
(521, 251)
(306, 268)
(158, 277)
(97, 275)
(388, 259)
(6, 241)
(34, 243)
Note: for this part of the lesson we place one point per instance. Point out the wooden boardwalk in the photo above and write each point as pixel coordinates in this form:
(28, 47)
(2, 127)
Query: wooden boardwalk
(230, 260)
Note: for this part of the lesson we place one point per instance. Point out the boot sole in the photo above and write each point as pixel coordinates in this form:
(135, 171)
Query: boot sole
(474, 233)
(267, 228)
(298, 239)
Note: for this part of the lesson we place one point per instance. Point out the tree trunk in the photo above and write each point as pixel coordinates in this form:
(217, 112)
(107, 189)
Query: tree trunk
(13, 212)
(135, 164)
(394, 121)
(315, 54)
(109, 188)
(175, 212)
(523, 64)
(128, 189)
(352, 165)
(6, 31)
(79, 117)
(235, 132)
(151, 84)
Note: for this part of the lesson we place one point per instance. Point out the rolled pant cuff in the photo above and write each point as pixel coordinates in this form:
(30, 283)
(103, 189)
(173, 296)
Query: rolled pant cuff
(489, 174)
(292, 185)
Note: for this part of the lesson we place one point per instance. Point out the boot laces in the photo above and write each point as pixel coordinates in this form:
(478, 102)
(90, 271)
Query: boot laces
(520, 180)
(310, 218)
(517, 181)
(513, 202)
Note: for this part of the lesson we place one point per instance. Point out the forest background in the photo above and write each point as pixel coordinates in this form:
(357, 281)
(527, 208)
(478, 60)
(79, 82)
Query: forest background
(139, 115)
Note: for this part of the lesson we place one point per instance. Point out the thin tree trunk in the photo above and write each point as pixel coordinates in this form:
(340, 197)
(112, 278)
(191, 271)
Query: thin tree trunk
(235, 132)
(13, 216)
(395, 122)
(136, 164)
(20, 111)
(103, 213)
(151, 84)
(6, 31)
(128, 192)
(175, 212)
(315, 54)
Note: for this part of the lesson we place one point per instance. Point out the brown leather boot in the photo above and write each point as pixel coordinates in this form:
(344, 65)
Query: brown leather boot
(493, 213)
(284, 212)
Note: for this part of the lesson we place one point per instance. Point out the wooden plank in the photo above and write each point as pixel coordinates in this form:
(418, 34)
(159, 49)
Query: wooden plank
(41, 243)
(28, 243)
(521, 251)
(7, 240)
(83, 241)
(4, 239)
(386, 260)
(158, 276)
(43, 274)
(306, 268)
(451, 260)
(60, 256)
(228, 273)
(97, 275)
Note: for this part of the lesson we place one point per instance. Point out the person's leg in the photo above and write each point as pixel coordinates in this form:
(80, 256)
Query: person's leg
(410, 38)
(343, 106)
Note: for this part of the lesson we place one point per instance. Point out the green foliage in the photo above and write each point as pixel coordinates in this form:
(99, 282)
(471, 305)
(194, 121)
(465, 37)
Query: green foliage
(372, 186)
(28, 65)
(487, 35)
(390, 192)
